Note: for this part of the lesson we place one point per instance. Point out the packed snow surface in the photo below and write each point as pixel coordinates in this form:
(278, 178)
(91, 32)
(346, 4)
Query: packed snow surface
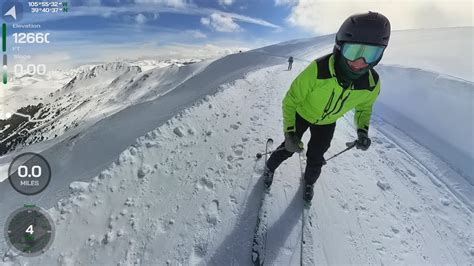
(186, 192)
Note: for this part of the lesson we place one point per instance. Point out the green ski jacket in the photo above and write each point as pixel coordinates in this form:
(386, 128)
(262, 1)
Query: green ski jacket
(318, 98)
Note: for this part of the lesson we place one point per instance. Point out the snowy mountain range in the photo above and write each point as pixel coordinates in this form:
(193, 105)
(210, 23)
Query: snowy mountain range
(94, 92)
(161, 168)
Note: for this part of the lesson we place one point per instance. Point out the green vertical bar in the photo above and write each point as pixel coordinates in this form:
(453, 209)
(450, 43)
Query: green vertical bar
(5, 77)
(4, 37)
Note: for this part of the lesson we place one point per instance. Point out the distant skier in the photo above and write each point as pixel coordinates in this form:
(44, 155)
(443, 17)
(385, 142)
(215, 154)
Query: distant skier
(328, 88)
(290, 63)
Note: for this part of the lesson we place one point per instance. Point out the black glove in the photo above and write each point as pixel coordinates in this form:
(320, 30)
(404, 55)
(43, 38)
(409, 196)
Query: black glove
(293, 143)
(363, 141)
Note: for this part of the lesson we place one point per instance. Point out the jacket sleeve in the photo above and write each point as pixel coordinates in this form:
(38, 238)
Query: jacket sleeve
(363, 111)
(299, 89)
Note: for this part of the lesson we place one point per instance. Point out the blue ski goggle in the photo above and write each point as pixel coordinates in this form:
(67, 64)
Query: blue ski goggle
(354, 51)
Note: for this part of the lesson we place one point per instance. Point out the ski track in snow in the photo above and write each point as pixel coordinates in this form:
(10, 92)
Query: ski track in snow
(186, 193)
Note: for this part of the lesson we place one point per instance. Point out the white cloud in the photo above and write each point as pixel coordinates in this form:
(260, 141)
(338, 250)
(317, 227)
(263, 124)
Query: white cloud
(141, 19)
(226, 2)
(221, 22)
(251, 20)
(171, 3)
(324, 16)
(93, 2)
(197, 34)
(146, 6)
(205, 21)
(285, 2)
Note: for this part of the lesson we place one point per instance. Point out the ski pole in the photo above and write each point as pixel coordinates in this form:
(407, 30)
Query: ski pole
(349, 145)
(259, 155)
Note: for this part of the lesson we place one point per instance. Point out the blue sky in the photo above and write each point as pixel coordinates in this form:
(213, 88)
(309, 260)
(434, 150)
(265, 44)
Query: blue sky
(105, 30)
(102, 30)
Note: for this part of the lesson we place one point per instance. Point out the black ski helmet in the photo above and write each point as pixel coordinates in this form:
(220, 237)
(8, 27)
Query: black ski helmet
(369, 28)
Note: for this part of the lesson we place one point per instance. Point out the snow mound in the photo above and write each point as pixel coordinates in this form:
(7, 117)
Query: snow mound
(443, 50)
(436, 110)
(77, 187)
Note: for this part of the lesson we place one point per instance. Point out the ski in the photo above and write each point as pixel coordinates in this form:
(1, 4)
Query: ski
(306, 238)
(260, 233)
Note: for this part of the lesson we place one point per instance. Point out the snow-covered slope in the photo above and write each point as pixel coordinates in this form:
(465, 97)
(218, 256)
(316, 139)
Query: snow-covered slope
(186, 192)
(81, 156)
(437, 111)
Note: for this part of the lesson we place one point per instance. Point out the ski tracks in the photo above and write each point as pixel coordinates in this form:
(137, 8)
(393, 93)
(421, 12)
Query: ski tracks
(429, 206)
(260, 105)
(285, 202)
(285, 198)
(397, 215)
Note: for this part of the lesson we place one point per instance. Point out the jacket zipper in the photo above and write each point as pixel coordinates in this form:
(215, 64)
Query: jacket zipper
(326, 113)
(345, 98)
(342, 104)
(335, 105)
(328, 105)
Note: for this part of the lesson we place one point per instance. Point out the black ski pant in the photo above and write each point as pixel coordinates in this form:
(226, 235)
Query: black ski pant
(321, 136)
(290, 65)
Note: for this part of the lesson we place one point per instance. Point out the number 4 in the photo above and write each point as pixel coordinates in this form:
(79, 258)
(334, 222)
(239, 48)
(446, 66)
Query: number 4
(29, 230)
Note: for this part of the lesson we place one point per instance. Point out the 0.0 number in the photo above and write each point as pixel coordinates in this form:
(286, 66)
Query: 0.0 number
(35, 171)
(31, 37)
(30, 69)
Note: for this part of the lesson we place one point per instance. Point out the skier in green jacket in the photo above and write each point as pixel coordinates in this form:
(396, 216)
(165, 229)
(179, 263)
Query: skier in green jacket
(328, 88)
